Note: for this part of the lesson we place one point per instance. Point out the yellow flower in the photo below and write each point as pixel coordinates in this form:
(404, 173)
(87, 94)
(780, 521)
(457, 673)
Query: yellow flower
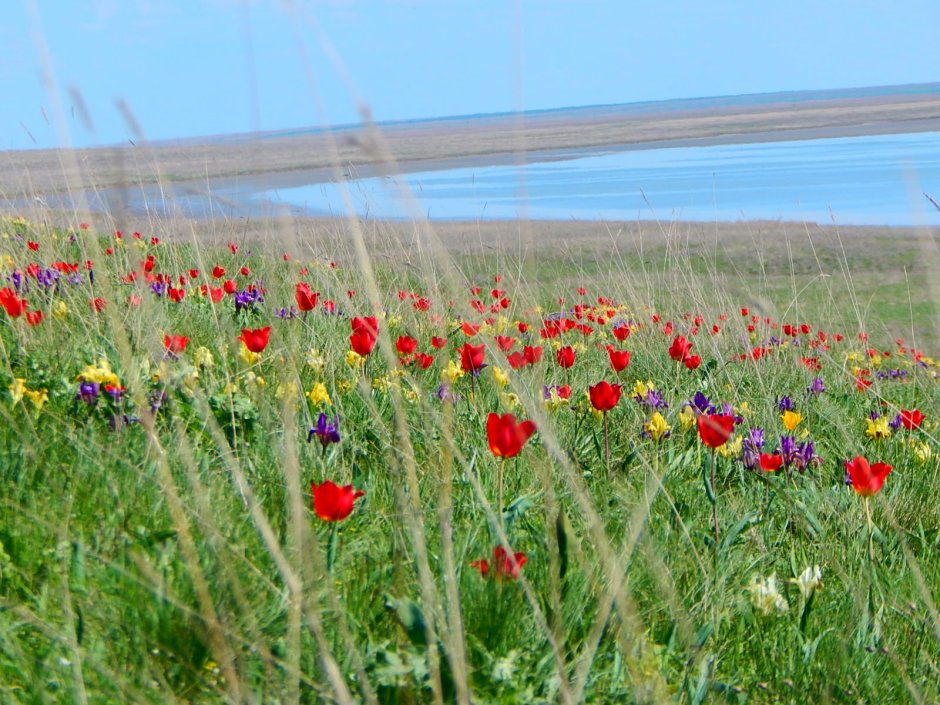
(641, 388)
(853, 357)
(922, 452)
(878, 428)
(18, 389)
(656, 427)
(203, 357)
(100, 374)
(732, 449)
(410, 395)
(687, 418)
(354, 359)
(791, 419)
(452, 372)
(502, 379)
(554, 402)
(743, 409)
(8, 262)
(393, 322)
(249, 357)
(344, 385)
(319, 394)
(61, 310)
(510, 400)
(382, 384)
(38, 397)
(314, 359)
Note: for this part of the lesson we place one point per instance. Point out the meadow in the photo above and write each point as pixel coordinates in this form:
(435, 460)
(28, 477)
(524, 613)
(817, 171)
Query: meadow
(348, 462)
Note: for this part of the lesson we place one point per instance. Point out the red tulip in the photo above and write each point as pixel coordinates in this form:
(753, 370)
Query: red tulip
(437, 342)
(255, 340)
(692, 361)
(306, 300)
(619, 359)
(506, 437)
(604, 396)
(565, 357)
(770, 463)
(365, 324)
(679, 349)
(471, 357)
(362, 342)
(715, 429)
(175, 344)
(406, 345)
(333, 503)
(866, 480)
(532, 354)
(505, 566)
(423, 360)
(517, 360)
(218, 272)
(911, 419)
(622, 332)
(505, 342)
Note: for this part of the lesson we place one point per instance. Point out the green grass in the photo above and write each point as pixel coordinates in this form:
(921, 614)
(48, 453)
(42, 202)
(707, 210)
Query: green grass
(177, 559)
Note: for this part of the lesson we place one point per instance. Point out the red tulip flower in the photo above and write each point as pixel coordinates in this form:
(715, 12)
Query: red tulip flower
(365, 324)
(622, 332)
(517, 360)
(306, 299)
(604, 396)
(505, 342)
(532, 354)
(692, 361)
(565, 357)
(715, 429)
(771, 462)
(406, 345)
(255, 340)
(619, 359)
(333, 503)
(362, 342)
(175, 344)
(437, 342)
(506, 436)
(505, 566)
(471, 357)
(680, 348)
(866, 479)
(911, 419)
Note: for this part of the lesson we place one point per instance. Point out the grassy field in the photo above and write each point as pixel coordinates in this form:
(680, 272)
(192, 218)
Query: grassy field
(161, 542)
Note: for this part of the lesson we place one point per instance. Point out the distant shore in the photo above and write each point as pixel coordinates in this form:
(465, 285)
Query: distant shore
(290, 159)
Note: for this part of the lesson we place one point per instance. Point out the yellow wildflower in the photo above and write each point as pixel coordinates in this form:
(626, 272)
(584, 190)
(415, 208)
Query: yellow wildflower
(38, 397)
(18, 389)
(791, 419)
(687, 418)
(354, 359)
(249, 357)
(344, 385)
(922, 452)
(510, 400)
(641, 389)
(656, 427)
(203, 357)
(60, 311)
(314, 359)
(502, 379)
(319, 394)
(878, 428)
(452, 372)
(100, 374)
(732, 449)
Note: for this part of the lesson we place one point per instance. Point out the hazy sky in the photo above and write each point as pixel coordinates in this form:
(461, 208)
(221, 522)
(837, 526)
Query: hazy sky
(198, 67)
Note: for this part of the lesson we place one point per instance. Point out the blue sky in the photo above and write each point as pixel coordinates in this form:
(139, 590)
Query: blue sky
(200, 67)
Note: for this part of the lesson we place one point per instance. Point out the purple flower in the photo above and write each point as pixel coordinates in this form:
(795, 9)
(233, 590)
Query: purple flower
(158, 288)
(785, 404)
(816, 387)
(653, 400)
(88, 392)
(805, 456)
(286, 312)
(247, 299)
(445, 393)
(701, 404)
(326, 431)
(788, 449)
(751, 446)
(17, 279)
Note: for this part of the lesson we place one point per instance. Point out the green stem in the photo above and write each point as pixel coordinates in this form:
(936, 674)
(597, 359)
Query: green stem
(331, 546)
(871, 531)
(714, 503)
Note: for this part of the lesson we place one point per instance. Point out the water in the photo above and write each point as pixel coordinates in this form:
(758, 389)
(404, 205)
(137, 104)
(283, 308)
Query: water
(852, 180)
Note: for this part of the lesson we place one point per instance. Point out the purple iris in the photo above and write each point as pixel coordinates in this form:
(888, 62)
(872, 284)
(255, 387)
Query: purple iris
(785, 404)
(751, 447)
(158, 288)
(816, 387)
(88, 392)
(653, 400)
(326, 431)
(247, 299)
(445, 393)
(701, 404)
(788, 449)
(286, 312)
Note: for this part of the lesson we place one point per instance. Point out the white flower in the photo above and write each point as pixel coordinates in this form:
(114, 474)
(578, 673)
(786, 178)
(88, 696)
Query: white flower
(809, 581)
(765, 596)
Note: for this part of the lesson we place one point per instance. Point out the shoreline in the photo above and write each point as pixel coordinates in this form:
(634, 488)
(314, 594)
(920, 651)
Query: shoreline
(283, 161)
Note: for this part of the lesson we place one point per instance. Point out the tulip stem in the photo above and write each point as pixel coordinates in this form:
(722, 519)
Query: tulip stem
(499, 496)
(871, 531)
(715, 502)
(331, 546)
(606, 447)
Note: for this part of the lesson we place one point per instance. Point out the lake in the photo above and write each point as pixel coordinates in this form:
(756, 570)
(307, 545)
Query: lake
(854, 180)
